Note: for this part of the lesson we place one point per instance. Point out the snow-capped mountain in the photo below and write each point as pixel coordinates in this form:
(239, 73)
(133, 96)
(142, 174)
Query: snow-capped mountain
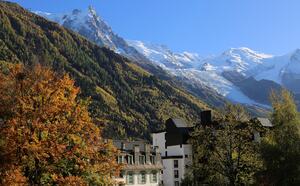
(233, 70)
(164, 57)
(202, 71)
(206, 72)
(284, 70)
(240, 60)
(90, 25)
(235, 74)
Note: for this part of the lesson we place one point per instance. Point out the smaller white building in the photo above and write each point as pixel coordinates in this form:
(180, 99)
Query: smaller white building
(175, 150)
(141, 162)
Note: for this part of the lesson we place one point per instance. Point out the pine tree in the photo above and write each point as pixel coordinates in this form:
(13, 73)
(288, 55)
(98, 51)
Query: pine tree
(46, 133)
(281, 147)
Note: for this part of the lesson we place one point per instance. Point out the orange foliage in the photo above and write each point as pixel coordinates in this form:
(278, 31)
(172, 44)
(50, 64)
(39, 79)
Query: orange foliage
(72, 181)
(46, 130)
(14, 177)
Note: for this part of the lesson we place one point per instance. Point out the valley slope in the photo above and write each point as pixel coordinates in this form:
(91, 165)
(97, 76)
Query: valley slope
(232, 75)
(177, 68)
(130, 101)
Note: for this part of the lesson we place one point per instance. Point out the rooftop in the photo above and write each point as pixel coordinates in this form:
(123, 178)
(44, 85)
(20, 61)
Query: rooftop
(265, 122)
(180, 123)
(129, 145)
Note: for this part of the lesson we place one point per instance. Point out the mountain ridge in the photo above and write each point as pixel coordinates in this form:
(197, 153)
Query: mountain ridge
(175, 65)
(205, 73)
(283, 71)
(130, 101)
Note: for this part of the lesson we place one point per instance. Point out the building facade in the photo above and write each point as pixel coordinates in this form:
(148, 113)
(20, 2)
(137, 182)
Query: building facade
(142, 164)
(175, 150)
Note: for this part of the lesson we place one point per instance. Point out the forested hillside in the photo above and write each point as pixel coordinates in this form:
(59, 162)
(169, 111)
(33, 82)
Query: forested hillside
(128, 100)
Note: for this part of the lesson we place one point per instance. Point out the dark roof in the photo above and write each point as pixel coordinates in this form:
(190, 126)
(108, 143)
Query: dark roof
(265, 122)
(158, 131)
(180, 123)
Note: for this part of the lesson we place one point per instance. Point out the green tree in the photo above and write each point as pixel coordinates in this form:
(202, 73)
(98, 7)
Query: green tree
(225, 153)
(281, 147)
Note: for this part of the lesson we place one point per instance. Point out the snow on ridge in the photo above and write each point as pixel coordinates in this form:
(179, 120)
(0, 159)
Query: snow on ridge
(276, 67)
(209, 71)
(205, 71)
(251, 52)
(241, 60)
(162, 55)
(207, 76)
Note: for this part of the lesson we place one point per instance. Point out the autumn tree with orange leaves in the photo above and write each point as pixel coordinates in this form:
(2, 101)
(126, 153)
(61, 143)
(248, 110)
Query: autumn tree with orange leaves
(46, 134)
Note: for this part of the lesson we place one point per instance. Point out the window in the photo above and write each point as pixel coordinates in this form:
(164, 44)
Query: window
(129, 159)
(142, 178)
(175, 163)
(121, 174)
(176, 174)
(152, 159)
(142, 160)
(120, 159)
(154, 177)
(176, 183)
(129, 179)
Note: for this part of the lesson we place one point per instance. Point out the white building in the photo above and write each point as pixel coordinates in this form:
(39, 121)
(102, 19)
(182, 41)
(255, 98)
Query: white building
(141, 164)
(176, 152)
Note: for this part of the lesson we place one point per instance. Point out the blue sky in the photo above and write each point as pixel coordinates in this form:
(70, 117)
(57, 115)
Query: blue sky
(203, 26)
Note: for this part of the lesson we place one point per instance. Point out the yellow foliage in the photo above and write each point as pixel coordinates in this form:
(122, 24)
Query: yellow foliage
(138, 69)
(46, 126)
(107, 97)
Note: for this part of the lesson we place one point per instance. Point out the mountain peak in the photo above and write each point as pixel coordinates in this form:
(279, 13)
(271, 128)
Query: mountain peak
(93, 11)
(87, 23)
(244, 49)
(246, 52)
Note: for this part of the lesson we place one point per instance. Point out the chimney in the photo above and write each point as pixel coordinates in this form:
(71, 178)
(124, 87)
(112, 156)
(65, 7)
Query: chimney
(136, 151)
(206, 118)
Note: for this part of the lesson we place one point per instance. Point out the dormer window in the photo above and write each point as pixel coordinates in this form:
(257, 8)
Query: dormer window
(120, 159)
(152, 159)
(141, 160)
(130, 159)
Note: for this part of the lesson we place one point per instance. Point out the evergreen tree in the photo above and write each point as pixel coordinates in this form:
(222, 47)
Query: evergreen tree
(281, 147)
